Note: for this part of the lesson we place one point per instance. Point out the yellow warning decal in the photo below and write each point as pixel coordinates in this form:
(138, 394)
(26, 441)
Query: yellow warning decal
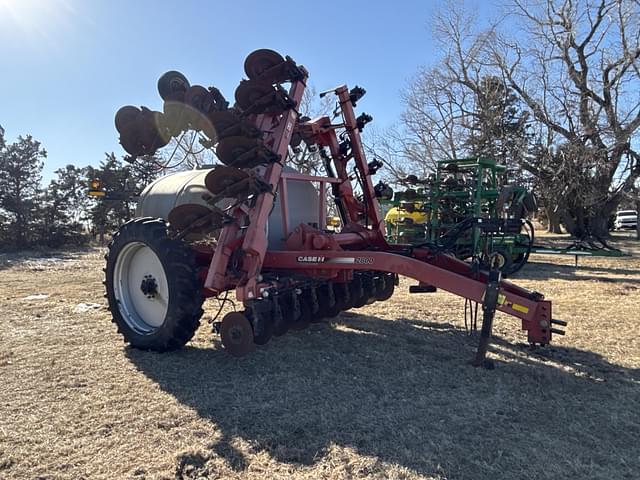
(520, 308)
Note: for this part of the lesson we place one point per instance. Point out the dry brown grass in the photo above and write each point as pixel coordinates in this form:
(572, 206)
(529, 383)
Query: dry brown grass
(382, 392)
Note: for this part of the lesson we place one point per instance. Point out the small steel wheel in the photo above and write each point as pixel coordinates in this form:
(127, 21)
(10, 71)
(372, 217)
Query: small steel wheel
(153, 289)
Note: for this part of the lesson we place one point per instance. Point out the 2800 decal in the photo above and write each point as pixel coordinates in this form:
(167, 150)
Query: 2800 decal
(322, 259)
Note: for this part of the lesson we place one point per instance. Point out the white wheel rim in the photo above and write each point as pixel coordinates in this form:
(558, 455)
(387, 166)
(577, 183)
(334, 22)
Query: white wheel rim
(140, 288)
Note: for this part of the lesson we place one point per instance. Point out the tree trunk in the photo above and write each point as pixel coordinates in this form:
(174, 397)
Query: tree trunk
(553, 220)
(581, 223)
(637, 219)
(599, 225)
(552, 212)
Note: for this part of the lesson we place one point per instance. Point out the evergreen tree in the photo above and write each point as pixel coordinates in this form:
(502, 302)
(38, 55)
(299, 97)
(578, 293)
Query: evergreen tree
(106, 214)
(498, 129)
(64, 208)
(20, 175)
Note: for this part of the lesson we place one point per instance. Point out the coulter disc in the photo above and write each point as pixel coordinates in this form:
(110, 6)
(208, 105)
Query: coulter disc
(230, 149)
(264, 328)
(251, 91)
(222, 123)
(198, 97)
(259, 61)
(221, 178)
(236, 334)
(172, 82)
(200, 218)
(126, 115)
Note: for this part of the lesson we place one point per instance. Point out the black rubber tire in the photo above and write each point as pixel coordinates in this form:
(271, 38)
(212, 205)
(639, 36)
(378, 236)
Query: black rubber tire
(518, 262)
(185, 296)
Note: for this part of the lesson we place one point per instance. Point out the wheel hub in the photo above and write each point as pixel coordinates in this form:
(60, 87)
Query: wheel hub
(149, 286)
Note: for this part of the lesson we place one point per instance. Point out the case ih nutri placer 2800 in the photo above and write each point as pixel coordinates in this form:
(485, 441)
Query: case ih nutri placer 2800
(257, 226)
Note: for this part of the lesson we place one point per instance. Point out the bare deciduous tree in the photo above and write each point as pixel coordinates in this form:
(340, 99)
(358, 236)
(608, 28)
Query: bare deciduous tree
(576, 66)
(461, 106)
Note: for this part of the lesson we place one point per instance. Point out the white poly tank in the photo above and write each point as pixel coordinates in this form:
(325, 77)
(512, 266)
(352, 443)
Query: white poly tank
(170, 191)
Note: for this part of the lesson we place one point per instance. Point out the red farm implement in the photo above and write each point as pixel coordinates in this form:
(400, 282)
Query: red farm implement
(257, 226)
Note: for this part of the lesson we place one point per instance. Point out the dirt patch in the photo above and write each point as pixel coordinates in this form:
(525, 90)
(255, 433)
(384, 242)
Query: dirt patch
(380, 392)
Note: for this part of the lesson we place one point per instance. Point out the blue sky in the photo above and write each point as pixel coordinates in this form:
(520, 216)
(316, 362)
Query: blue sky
(68, 65)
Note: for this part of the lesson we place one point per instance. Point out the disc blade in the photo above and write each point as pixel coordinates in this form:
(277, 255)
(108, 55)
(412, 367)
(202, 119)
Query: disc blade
(188, 215)
(221, 178)
(172, 82)
(236, 334)
(126, 115)
(196, 96)
(259, 61)
(230, 148)
(251, 91)
(224, 123)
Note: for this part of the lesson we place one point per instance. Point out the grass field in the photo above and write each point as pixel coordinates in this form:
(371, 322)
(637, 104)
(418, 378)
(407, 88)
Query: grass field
(380, 392)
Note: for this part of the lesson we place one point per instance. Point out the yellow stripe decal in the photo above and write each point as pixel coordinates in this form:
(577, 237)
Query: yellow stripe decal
(520, 308)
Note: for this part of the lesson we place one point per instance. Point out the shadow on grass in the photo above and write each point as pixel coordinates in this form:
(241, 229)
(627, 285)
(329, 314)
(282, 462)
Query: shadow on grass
(402, 391)
(541, 270)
